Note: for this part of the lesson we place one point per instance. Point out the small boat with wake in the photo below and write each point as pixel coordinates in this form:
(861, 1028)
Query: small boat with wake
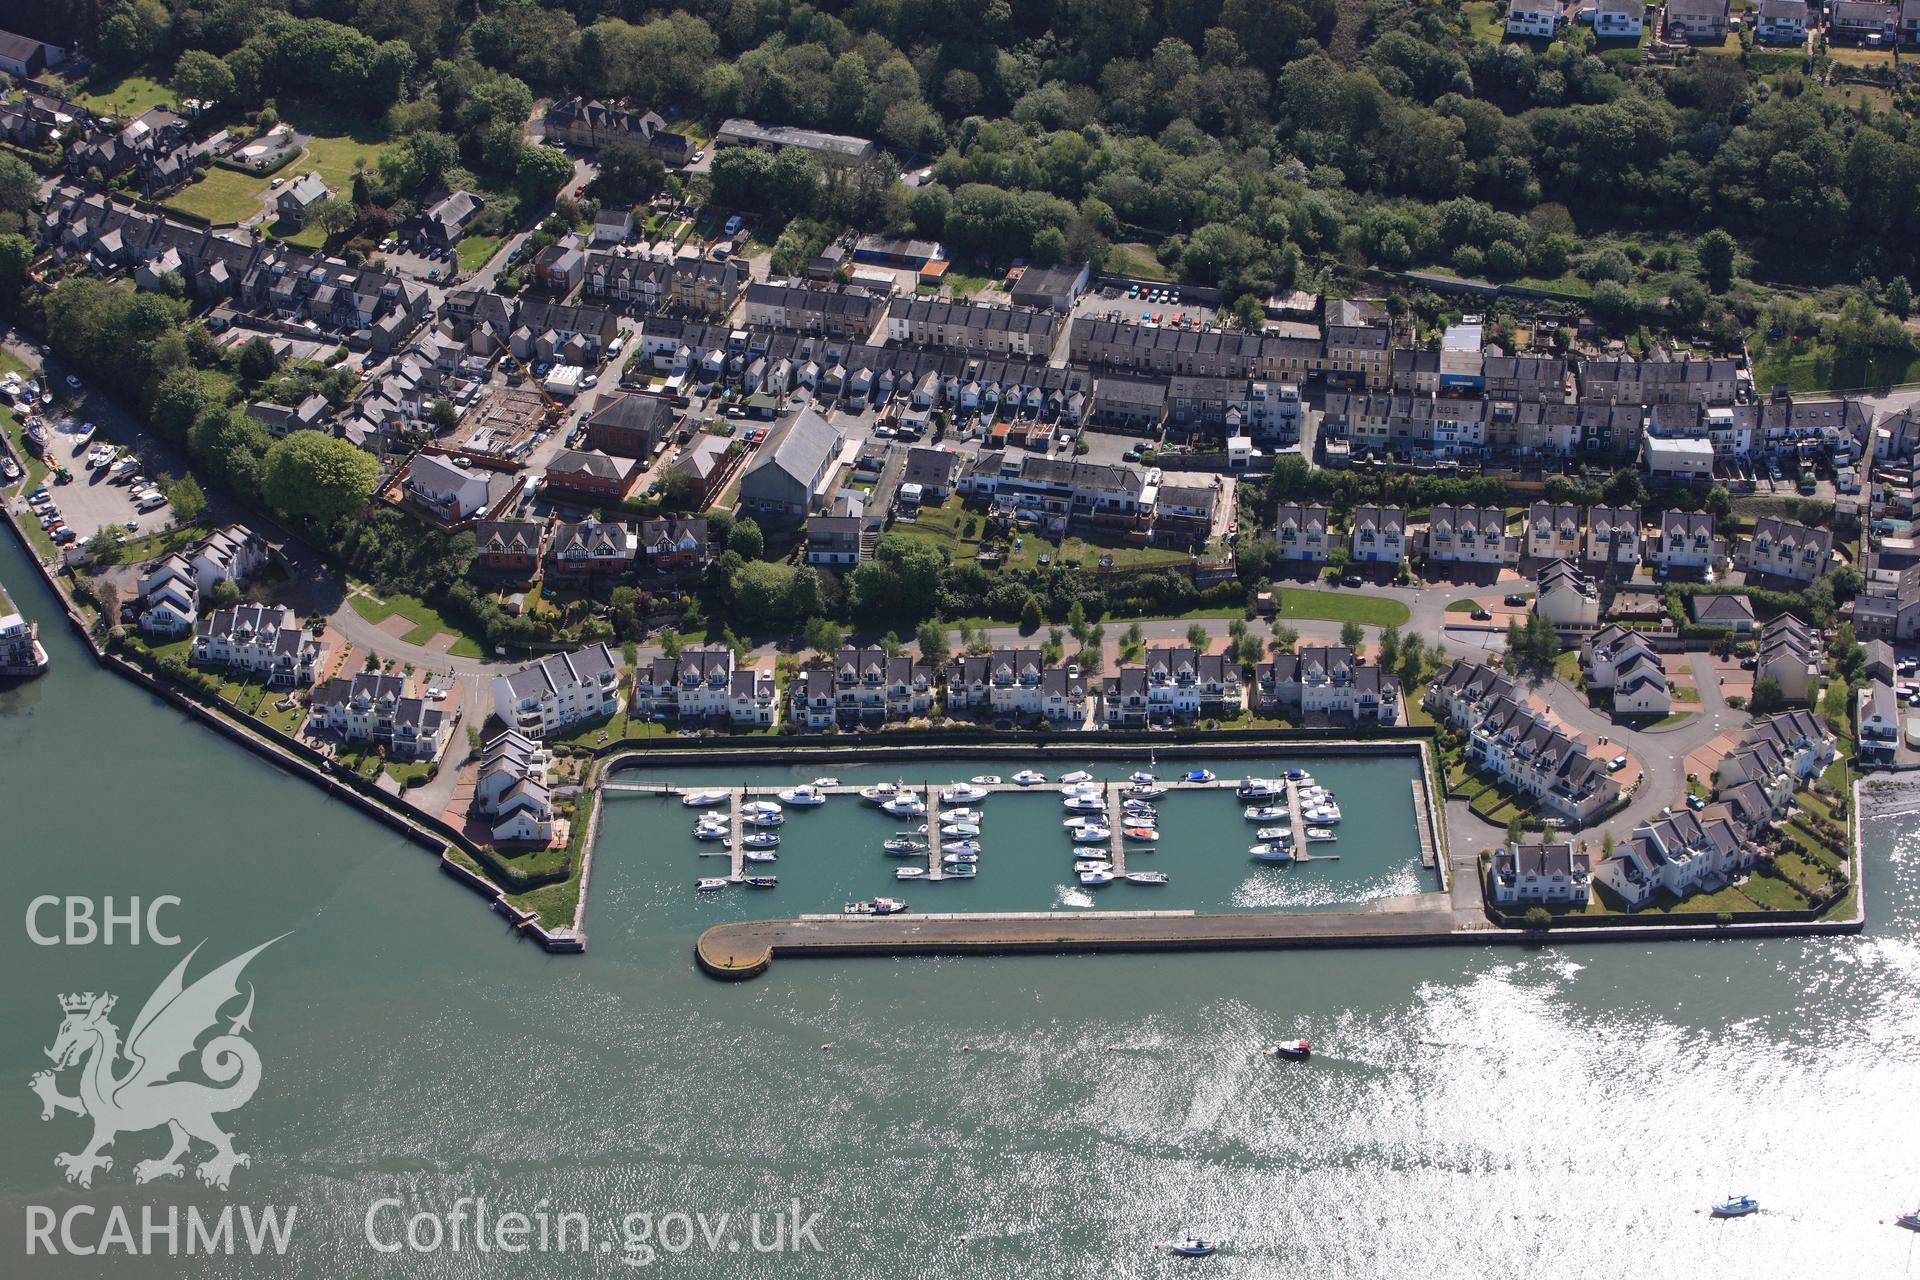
(1296, 1049)
(1736, 1207)
(1193, 1247)
(1093, 878)
(710, 884)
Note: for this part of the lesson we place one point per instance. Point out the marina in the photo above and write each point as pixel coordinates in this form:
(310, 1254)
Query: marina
(949, 825)
(1136, 1084)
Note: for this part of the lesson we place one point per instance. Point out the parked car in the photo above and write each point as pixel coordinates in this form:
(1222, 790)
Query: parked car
(1481, 615)
(1616, 764)
(1515, 600)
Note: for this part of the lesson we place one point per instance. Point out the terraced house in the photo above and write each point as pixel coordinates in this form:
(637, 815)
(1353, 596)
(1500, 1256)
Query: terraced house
(834, 313)
(260, 639)
(1783, 549)
(1553, 529)
(705, 686)
(559, 692)
(1519, 748)
(1300, 530)
(1379, 535)
(972, 328)
(1613, 535)
(1470, 535)
(674, 544)
(862, 687)
(1012, 683)
(1685, 540)
(1176, 682)
(589, 548)
(1328, 682)
(373, 710)
(1680, 854)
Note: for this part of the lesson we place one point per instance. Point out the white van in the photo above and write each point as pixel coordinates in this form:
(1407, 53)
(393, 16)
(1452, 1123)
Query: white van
(151, 500)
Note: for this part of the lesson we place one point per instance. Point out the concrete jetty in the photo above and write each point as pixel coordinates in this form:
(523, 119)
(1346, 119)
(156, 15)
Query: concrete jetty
(936, 870)
(748, 947)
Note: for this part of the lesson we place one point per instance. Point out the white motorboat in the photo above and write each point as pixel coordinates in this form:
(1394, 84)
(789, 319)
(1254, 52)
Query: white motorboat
(985, 779)
(960, 846)
(880, 792)
(760, 882)
(760, 806)
(963, 793)
(1259, 789)
(1265, 812)
(905, 806)
(1274, 833)
(1299, 1050)
(1140, 807)
(703, 799)
(960, 815)
(1084, 804)
(1321, 817)
(1083, 820)
(1145, 877)
(1029, 778)
(1091, 878)
(959, 828)
(1271, 852)
(1147, 791)
(875, 907)
(1078, 775)
(1081, 789)
(1199, 775)
(761, 840)
(1092, 835)
(909, 873)
(1319, 835)
(760, 855)
(806, 797)
(711, 833)
(824, 782)
(1299, 775)
(901, 847)
(960, 871)
(1194, 1247)
(958, 859)
(1140, 777)
(1093, 864)
(764, 819)
(710, 884)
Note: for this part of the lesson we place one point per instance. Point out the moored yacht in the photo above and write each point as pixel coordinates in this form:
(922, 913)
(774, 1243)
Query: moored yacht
(1271, 852)
(1145, 877)
(805, 797)
(1194, 1247)
(1140, 777)
(909, 873)
(1145, 791)
(1091, 878)
(710, 884)
(760, 840)
(1145, 834)
(1199, 775)
(960, 871)
(985, 779)
(959, 828)
(905, 805)
(1029, 778)
(962, 793)
(1078, 775)
(880, 792)
(703, 799)
(1258, 789)
(1319, 835)
(760, 855)
(1091, 835)
(875, 907)
(1084, 804)
(1274, 833)
(903, 847)
(1265, 812)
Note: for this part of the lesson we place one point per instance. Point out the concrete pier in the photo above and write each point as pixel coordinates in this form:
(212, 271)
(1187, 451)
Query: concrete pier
(748, 947)
(936, 870)
(1421, 824)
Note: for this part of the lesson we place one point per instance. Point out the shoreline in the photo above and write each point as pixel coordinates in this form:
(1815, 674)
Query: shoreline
(765, 939)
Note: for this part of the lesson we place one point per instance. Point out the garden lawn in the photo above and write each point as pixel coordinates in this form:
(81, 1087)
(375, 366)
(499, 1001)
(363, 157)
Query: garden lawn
(129, 95)
(427, 623)
(223, 196)
(1340, 606)
(475, 250)
(1137, 261)
(1819, 369)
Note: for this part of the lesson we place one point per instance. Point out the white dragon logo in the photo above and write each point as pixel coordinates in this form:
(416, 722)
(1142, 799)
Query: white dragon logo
(146, 1096)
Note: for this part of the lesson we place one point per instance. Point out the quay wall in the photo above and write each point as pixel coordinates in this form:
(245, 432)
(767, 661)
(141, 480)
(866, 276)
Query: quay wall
(297, 759)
